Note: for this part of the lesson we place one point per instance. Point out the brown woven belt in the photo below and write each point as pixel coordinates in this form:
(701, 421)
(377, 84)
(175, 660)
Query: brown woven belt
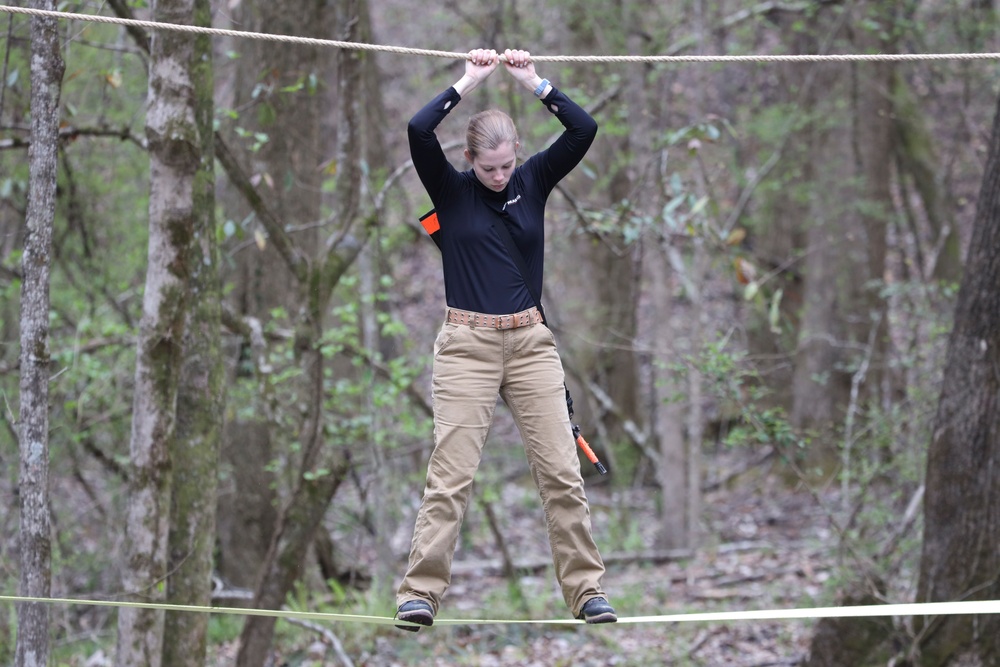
(470, 319)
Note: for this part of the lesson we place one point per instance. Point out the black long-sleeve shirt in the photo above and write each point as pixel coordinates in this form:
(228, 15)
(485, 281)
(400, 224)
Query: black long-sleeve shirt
(479, 274)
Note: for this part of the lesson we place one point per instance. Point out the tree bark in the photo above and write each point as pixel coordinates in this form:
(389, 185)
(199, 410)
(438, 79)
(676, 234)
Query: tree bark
(779, 235)
(851, 642)
(175, 158)
(195, 448)
(676, 325)
(960, 559)
(33, 480)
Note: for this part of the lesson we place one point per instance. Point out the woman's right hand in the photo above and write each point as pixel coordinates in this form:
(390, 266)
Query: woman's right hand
(481, 63)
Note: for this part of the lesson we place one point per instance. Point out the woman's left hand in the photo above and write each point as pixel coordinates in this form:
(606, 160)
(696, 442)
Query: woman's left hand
(518, 63)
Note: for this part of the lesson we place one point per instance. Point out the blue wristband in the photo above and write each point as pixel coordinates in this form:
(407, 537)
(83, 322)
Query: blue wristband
(541, 87)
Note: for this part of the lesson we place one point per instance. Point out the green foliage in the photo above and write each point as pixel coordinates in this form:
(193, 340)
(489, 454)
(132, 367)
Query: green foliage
(735, 385)
(884, 463)
(360, 388)
(223, 628)
(254, 140)
(625, 534)
(686, 211)
(14, 189)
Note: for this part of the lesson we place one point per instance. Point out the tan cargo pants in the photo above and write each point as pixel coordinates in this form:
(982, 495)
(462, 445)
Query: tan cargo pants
(471, 364)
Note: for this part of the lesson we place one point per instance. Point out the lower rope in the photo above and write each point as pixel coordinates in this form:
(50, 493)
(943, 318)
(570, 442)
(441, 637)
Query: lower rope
(969, 607)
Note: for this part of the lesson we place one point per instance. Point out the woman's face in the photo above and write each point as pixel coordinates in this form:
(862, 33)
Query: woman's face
(493, 167)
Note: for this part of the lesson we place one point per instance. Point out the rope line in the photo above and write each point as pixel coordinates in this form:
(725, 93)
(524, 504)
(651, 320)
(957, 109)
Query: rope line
(968, 607)
(311, 41)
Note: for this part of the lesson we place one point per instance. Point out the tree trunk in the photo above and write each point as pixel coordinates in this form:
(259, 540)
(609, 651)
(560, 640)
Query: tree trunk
(673, 467)
(361, 138)
(852, 642)
(324, 465)
(961, 550)
(175, 158)
(33, 480)
(873, 148)
(195, 448)
(288, 169)
(779, 233)
(844, 320)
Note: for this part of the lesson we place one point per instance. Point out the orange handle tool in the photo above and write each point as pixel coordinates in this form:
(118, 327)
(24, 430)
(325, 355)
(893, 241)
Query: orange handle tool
(588, 452)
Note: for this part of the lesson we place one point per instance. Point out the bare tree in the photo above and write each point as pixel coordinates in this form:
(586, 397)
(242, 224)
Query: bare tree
(175, 158)
(35, 547)
(961, 548)
(961, 551)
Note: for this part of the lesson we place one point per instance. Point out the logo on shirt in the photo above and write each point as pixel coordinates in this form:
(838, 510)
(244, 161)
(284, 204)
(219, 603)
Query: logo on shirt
(511, 202)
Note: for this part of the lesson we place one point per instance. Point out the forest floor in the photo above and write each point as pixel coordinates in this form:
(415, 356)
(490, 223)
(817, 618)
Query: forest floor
(771, 548)
(766, 546)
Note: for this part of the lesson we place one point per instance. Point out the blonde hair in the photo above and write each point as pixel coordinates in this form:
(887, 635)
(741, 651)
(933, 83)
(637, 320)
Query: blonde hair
(488, 130)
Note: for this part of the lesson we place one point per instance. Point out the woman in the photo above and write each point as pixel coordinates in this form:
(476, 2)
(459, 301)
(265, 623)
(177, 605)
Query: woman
(493, 339)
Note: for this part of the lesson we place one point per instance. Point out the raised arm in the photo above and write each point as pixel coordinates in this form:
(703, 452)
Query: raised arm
(554, 163)
(428, 158)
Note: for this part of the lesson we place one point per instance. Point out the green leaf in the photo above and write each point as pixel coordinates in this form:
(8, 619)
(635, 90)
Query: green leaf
(699, 205)
(774, 314)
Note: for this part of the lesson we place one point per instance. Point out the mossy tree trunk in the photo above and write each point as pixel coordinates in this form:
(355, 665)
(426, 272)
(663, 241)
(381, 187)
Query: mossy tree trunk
(195, 448)
(175, 149)
(33, 478)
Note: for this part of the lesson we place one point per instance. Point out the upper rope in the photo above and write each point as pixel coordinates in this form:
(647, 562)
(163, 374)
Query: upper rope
(311, 41)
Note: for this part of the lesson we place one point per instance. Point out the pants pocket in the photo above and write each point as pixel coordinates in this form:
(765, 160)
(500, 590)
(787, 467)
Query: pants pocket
(445, 336)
